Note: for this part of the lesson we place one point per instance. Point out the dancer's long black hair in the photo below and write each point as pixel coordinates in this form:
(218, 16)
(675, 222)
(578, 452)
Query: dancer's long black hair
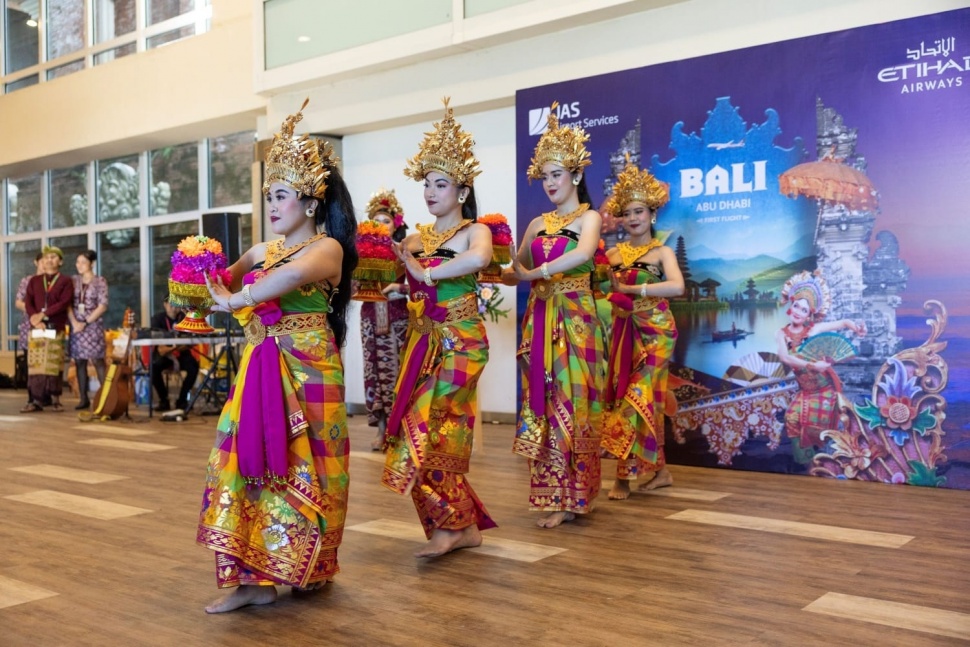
(582, 192)
(337, 219)
(469, 208)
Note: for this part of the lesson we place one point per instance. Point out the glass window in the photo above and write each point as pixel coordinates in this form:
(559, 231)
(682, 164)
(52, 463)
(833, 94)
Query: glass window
(122, 272)
(113, 18)
(170, 37)
(112, 54)
(230, 169)
(65, 27)
(292, 32)
(118, 189)
(25, 82)
(64, 70)
(174, 179)
(69, 197)
(159, 10)
(20, 40)
(23, 204)
(72, 246)
(164, 241)
(20, 263)
(478, 7)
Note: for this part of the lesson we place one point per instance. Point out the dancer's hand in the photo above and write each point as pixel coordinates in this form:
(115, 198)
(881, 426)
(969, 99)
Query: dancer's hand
(412, 265)
(219, 293)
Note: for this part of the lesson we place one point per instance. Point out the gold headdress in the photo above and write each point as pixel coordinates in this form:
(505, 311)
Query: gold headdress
(634, 185)
(811, 287)
(563, 146)
(446, 149)
(300, 162)
(384, 201)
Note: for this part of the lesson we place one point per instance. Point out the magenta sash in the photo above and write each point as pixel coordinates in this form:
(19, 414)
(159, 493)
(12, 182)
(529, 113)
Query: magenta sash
(419, 351)
(540, 360)
(261, 439)
(621, 349)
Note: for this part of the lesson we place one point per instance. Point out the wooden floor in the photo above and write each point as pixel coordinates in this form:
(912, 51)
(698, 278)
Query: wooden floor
(97, 528)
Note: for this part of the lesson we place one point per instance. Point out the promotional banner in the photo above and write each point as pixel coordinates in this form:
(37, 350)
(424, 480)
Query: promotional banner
(827, 175)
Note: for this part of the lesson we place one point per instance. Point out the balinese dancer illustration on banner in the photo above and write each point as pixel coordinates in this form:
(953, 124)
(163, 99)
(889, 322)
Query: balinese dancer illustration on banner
(276, 485)
(643, 334)
(561, 355)
(429, 432)
(810, 346)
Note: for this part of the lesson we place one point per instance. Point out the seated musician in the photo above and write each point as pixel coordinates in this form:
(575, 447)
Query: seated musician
(178, 358)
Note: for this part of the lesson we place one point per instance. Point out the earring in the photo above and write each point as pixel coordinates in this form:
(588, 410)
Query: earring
(461, 199)
(310, 213)
(577, 180)
(653, 221)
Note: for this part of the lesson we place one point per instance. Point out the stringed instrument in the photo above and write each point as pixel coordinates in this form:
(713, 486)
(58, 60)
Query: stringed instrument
(114, 395)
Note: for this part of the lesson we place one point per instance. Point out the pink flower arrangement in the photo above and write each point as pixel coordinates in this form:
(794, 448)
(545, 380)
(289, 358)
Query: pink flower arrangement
(196, 257)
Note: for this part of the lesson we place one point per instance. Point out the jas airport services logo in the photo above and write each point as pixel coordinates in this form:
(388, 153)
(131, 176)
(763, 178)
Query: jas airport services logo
(568, 115)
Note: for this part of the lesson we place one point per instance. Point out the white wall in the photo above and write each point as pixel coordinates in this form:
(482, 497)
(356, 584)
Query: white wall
(376, 159)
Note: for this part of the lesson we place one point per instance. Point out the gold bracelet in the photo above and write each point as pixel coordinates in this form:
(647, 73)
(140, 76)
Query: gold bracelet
(427, 277)
(247, 297)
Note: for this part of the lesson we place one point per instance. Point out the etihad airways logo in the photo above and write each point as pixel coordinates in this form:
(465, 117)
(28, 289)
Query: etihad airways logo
(539, 118)
(937, 67)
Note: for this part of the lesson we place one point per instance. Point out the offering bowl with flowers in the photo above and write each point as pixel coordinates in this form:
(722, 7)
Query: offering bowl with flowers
(196, 258)
(377, 263)
(501, 247)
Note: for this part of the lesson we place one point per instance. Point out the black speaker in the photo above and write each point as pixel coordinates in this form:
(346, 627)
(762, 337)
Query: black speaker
(224, 227)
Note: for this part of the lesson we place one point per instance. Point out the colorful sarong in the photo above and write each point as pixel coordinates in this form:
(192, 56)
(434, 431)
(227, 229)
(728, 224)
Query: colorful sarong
(287, 530)
(644, 335)
(430, 430)
(561, 358)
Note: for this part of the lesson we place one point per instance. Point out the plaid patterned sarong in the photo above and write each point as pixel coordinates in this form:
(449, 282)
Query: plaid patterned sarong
(283, 533)
(634, 425)
(562, 442)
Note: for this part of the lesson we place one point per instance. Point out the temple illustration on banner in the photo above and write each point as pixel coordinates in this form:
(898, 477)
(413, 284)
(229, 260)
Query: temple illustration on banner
(886, 402)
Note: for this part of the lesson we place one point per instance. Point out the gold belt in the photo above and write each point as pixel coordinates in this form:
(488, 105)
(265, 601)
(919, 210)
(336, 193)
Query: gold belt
(640, 304)
(459, 309)
(545, 289)
(256, 332)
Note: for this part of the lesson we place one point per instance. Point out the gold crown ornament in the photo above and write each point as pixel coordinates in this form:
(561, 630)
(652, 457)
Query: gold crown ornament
(811, 287)
(384, 201)
(301, 162)
(634, 185)
(563, 146)
(447, 149)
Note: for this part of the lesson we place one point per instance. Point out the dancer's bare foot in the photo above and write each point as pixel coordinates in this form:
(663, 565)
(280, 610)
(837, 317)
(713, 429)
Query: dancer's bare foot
(554, 519)
(660, 479)
(444, 541)
(243, 596)
(620, 490)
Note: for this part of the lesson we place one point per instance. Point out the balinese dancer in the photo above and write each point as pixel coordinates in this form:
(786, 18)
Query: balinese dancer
(276, 484)
(561, 355)
(429, 433)
(816, 406)
(643, 334)
(384, 325)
